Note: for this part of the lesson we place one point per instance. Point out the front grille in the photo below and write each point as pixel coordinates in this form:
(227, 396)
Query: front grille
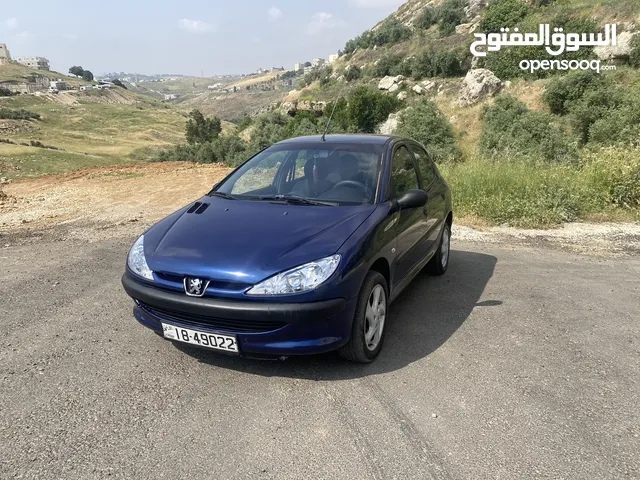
(221, 324)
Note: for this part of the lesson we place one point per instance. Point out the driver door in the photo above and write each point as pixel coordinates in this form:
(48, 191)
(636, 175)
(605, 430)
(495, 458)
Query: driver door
(409, 221)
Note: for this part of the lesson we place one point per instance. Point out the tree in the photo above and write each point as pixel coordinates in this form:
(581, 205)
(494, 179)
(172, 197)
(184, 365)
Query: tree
(201, 129)
(119, 84)
(87, 76)
(76, 70)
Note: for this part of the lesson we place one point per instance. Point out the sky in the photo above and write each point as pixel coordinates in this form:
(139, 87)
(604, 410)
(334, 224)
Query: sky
(189, 37)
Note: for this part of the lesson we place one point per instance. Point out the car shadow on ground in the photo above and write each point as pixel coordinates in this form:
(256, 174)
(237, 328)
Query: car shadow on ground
(421, 319)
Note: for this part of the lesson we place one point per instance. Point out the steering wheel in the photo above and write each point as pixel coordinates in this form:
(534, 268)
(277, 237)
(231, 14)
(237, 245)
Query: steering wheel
(354, 184)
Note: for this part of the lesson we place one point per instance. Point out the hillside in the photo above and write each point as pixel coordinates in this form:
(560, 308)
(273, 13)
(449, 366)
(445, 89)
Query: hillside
(83, 129)
(14, 72)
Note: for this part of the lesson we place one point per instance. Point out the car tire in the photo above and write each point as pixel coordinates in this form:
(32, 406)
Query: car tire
(440, 261)
(369, 321)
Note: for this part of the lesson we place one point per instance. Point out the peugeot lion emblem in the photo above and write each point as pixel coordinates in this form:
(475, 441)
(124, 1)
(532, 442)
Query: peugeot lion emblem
(195, 287)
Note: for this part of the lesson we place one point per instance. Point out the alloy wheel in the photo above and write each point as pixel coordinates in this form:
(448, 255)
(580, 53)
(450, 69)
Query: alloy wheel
(375, 317)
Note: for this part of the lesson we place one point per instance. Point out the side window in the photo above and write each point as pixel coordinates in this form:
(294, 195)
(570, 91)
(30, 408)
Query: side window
(424, 164)
(403, 172)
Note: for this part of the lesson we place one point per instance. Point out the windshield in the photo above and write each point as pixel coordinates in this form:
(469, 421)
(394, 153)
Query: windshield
(336, 173)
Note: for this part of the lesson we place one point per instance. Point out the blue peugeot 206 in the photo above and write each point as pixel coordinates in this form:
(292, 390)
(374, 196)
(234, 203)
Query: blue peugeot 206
(300, 250)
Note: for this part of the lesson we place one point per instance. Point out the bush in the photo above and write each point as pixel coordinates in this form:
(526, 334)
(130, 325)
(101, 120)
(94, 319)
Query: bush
(450, 14)
(427, 18)
(352, 73)
(361, 112)
(594, 105)
(562, 92)
(5, 92)
(441, 64)
(618, 126)
(503, 13)
(367, 108)
(634, 56)
(390, 32)
(386, 65)
(21, 114)
(427, 125)
(511, 129)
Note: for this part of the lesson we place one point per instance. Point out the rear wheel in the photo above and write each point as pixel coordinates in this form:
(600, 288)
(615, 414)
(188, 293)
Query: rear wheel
(367, 333)
(440, 262)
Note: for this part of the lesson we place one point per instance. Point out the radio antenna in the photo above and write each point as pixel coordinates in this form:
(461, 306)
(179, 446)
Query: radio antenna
(335, 104)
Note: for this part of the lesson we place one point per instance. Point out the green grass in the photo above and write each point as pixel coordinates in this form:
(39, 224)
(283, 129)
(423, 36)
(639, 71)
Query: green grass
(92, 134)
(20, 162)
(14, 72)
(524, 194)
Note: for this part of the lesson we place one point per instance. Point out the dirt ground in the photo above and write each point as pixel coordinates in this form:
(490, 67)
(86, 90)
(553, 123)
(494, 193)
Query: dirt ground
(93, 201)
(102, 202)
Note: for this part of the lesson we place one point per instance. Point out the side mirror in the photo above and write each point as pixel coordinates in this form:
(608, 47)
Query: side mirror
(413, 199)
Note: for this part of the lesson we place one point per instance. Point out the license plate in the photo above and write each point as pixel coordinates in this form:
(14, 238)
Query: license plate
(214, 341)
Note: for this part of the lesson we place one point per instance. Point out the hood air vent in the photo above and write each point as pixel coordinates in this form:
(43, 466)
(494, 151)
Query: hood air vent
(198, 208)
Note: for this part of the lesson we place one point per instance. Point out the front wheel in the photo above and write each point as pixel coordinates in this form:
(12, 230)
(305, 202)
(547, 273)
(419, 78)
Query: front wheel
(367, 333)
(440, 261)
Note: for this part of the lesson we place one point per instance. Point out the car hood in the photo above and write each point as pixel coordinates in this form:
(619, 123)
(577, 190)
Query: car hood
(246, 241)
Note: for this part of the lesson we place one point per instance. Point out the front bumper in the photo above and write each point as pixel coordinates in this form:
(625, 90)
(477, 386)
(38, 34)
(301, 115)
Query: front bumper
(261, 328)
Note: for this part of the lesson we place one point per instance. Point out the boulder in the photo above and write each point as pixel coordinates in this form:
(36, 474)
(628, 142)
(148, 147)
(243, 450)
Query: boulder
(620, 52)
(428, 85)
(288, 108)
(465, 28)
(394, 87)
(389, 126)
(402, 96)
(418, 89)
(479, 83)
(474, 8)
(387, 82)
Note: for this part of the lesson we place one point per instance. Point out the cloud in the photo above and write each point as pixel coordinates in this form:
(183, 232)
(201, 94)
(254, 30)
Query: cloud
(274, 14)
(376, 3)
(11, 23)
(323, 21)
(196, 26)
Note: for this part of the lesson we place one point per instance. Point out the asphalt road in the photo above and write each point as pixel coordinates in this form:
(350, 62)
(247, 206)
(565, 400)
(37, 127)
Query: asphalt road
(519, 363)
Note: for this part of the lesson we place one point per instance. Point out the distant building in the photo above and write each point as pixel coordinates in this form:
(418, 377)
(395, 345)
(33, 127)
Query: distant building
(58, 85)
(260, 71)
(333, 57)
(170, 96)
(318, 62)
(276, 69)
(37, 63)
(5, 56)
(298, 67)
(308, 70)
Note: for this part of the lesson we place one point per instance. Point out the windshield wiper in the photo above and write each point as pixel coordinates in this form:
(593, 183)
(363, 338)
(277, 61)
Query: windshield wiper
(221, 195)
(293, 200)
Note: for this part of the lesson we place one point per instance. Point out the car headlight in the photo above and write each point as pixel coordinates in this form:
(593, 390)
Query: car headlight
(136, 261)
(297, 280)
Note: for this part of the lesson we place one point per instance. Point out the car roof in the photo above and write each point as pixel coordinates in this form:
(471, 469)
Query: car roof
(367, 138)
